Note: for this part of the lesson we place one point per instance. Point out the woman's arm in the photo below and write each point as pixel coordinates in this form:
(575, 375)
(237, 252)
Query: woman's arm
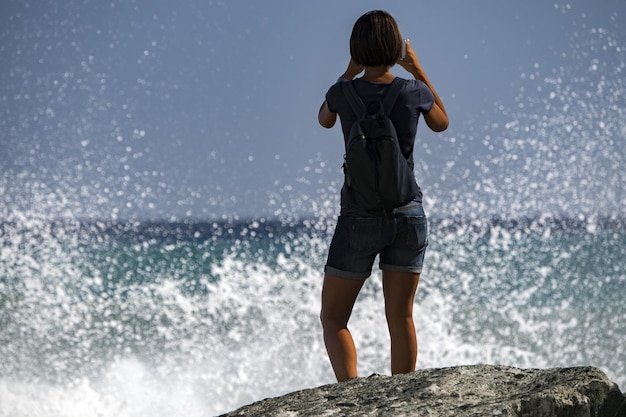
(436, 118)
(327, 118)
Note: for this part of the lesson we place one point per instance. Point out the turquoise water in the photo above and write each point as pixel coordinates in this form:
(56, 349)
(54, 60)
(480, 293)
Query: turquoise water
(200, 318)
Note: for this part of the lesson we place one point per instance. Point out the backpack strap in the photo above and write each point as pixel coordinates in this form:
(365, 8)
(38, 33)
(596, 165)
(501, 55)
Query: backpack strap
(392, 95)
(357, 103)
(358, 107)
(390, 100)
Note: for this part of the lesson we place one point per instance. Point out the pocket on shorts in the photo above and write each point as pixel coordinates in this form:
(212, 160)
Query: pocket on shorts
(365, 233)
(417, 232)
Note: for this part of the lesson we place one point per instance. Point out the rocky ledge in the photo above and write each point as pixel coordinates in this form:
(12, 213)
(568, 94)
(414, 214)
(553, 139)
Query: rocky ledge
(463, 391)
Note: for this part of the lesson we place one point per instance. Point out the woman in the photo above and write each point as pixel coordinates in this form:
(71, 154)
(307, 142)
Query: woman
(400, 239)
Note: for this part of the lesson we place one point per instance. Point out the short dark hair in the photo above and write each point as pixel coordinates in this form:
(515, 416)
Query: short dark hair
(376, 40)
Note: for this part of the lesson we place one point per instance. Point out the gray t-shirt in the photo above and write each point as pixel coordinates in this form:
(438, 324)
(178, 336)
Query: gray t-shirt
(414, 99)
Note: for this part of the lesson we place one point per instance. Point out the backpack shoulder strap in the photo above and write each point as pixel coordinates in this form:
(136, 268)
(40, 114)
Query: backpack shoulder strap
(353, 98)
(392, 95)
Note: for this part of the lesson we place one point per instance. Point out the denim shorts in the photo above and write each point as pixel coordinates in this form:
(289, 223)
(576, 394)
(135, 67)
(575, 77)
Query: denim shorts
(400, 238)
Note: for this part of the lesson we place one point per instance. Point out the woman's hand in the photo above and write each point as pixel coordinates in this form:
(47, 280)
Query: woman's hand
(410, 61)
(353, 70)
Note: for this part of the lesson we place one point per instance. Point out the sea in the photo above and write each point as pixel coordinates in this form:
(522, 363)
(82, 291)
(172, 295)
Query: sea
(108, 314)
(199, 318)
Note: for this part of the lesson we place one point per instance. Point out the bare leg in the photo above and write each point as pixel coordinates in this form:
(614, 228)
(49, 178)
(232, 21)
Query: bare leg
(338, 297)
(399, 289)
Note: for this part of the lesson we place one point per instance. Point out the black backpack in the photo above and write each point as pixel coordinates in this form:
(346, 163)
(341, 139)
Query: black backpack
(377, 176)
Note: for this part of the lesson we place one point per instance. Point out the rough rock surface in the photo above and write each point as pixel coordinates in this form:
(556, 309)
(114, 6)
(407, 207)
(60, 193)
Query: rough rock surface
(463, 391)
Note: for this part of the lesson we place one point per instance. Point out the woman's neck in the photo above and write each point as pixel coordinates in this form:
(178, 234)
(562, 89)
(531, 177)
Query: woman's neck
(380, 75)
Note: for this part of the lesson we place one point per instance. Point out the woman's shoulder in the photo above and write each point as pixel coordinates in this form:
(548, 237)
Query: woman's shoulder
(412, 84)
(417, 94)
(334, 92)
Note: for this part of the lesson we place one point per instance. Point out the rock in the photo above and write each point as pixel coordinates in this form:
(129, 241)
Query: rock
(463, 391)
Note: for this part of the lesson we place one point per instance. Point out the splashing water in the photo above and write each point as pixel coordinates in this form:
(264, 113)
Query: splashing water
(196, 318)
(104, 317)
(557, 148)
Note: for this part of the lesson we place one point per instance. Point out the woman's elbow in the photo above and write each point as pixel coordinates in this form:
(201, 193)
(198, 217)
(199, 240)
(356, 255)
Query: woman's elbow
(325, 117)
(440, 126)
(436, 119)
(437, 125)
(326, 124)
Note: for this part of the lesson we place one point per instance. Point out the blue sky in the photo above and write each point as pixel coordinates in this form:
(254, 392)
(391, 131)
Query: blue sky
(205, 110)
